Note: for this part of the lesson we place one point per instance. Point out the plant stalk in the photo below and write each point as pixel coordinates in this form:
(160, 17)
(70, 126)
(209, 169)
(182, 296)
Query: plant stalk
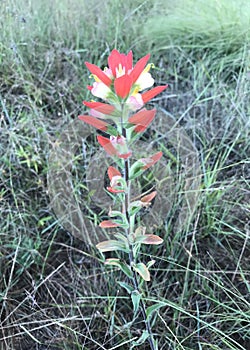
(132, 257)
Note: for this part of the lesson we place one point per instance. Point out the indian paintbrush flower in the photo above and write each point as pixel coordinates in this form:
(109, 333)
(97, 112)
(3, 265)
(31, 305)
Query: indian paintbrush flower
(122, 115)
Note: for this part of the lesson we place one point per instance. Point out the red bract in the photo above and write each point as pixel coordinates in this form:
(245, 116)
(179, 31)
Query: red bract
(123, 85)
(114, 146)
(113, 190)
(148, 95)
(139, 67)
(95, 70)
(151, 160)
(142, 119)
(120, 62)
(115, 180)
(100, 107)
(98, 124)
(148, 198)
(108, 224)
(113, 172)
(107, 145)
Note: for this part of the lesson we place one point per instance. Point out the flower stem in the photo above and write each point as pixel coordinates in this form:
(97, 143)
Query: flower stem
(132, 257)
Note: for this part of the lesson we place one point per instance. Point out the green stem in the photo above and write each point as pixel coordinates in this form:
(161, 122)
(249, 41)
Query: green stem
(132, 257)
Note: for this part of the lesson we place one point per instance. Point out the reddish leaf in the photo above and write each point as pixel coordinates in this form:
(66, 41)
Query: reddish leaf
(108, 224)
(149, 239)
(113, 190)
(151, 160)
(125, 155)
(149, 197)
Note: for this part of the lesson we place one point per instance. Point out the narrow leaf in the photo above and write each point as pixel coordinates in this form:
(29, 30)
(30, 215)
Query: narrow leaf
(123, 85)
(141, 340)
(136, 297)
(149, 197)
(142, 119)
(134, 207)
(123, 266)
(150, 263)
(153, 308)
(136, 169)
(100, 107)
(107, 145)
(139, 67)
(126, 286)
(148, 162)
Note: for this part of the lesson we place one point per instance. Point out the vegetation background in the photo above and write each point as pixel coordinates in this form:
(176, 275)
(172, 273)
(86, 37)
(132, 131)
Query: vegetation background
(55, 292)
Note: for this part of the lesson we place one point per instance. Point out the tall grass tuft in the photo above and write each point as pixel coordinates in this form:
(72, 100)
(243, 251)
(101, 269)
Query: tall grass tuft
(214, 32)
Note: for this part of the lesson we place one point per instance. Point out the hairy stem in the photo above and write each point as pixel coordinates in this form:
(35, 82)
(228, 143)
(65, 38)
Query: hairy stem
(132, 257)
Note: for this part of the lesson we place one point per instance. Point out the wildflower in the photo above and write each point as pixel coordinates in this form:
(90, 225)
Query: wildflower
(115, 146)
(122, 79)
(101, 90)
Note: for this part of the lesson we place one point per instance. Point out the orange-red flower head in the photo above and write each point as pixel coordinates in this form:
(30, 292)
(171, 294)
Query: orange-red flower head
(120, 77)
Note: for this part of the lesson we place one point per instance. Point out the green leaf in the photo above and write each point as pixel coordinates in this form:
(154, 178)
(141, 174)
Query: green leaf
(140, 231)
(153, 308)
(121, 237)
(136, 170)
(112, 131)
(141, 340)
(123, 266)
(150, 263)
(112, 245)
(142, 270)
(134, 208)
(126, 286)
(136, 297)
(123, 222)
(155, 341)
